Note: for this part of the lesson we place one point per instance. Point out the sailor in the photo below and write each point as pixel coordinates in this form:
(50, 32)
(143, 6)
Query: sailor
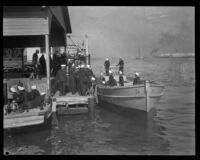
(61, 79)
(16, 98)
(83, 81)
(72, 80)
(35, 63)
(24, 98)
(93, 80)
(28, 102)
(34, 92)
(136, 80)
(102, 78)
(111, 82)
(107, 66)
(121, 65)
(121, 79)
(42, 65)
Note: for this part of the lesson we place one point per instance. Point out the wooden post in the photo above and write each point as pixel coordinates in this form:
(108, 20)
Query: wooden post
(47, 64)
(91, 105)
(54, 118)
(147, 89)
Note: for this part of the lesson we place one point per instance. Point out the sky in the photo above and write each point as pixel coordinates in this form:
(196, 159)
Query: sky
(126, 31)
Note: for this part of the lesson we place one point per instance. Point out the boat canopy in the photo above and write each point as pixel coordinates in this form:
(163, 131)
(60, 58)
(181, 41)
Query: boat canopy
(25, 26)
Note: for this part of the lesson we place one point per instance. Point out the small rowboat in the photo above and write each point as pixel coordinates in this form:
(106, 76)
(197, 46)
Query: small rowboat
(141, 97)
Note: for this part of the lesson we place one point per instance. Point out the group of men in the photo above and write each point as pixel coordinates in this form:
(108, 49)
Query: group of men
(39, 65)
(80, 79)
(112, 81)
(24, 100)
(107, 66)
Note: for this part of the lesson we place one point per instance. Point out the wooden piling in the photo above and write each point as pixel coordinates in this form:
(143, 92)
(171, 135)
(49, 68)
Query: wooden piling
(147, 89)
(54, 117)
(91, 107)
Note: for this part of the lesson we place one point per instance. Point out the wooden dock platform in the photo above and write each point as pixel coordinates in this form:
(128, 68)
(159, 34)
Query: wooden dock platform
(71, 104)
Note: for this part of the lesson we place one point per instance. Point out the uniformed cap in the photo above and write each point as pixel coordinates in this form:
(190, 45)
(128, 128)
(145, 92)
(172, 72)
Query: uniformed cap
(92, 78)
(101, 74)
(137, 74)
(73, 65)
(88, 66)
(42, 93)
(110, 72)
(20, 88)
(103, 82)
(107, 59)
(120, 72)
(82, 66)
(33, 87)
(62, 65)
(12, 89)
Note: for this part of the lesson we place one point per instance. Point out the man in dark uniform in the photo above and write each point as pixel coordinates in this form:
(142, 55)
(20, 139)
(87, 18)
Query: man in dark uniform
(61, 79)
(121, 79)
(121, 65)
(107, 66)
(35, 62)
(111, 82)
(83, 81)
(42, 65)
(137, 79)
(34, 92)
(72, 80)
(56, 62)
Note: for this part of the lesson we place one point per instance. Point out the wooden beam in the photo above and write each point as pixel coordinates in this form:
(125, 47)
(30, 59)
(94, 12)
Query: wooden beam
(47, 64)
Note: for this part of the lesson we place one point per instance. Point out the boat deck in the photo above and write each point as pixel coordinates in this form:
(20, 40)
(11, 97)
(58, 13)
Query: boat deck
(32, 117)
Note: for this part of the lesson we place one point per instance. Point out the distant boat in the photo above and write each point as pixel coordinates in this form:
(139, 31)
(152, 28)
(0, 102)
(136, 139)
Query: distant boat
(176, 55)
(141, 97)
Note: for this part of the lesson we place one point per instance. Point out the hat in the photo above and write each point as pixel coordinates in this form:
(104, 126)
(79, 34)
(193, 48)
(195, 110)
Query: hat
(82, 66)
(12, 89)
(62, 65)
(107, 59)
(92, 78)
(120, 72)
(20, 88)
(88, 66)
(73, 65)
(137, 74)
(110, 72)
(42, 93)
(103, 82)
(101, 74)
(33, 87)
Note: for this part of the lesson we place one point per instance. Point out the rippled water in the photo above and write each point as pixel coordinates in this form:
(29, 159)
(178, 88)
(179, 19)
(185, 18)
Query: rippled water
(168, 130)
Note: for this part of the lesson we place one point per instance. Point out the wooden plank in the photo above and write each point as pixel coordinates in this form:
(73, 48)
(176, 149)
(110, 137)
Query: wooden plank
(75, 98)
(68, 111)
(25, 26)
(13, 123)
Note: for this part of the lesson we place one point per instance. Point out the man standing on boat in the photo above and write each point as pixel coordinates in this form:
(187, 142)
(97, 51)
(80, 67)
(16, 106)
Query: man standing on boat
(111, 82)
(121, 79)
(107, 66)
(136, 80)
(121, 65)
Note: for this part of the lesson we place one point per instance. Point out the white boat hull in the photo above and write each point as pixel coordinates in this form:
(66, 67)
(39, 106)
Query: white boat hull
(134, 97)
